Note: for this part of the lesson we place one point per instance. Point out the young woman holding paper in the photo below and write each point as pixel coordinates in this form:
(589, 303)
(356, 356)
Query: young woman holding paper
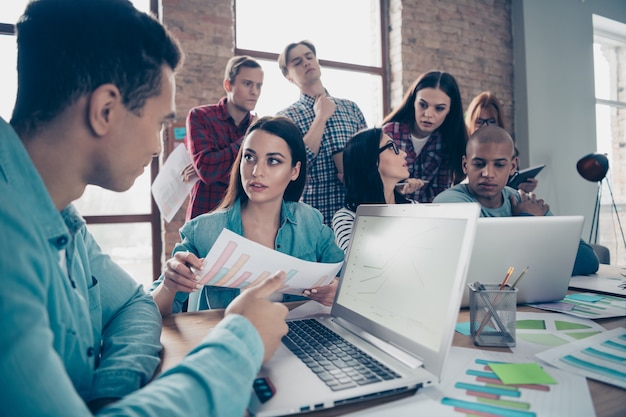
(261, 204)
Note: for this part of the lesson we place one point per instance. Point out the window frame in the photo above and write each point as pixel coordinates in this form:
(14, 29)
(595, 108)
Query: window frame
(154, 216)
(383, 71)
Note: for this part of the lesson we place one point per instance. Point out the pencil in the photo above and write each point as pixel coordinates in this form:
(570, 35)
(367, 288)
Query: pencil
(507, 277)
(519, 278)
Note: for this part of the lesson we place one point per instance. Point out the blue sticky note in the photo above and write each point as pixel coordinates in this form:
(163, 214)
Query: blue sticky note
(590, 298)
(463, 328)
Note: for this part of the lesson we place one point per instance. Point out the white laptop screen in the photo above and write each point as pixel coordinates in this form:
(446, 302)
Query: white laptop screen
(400, 272)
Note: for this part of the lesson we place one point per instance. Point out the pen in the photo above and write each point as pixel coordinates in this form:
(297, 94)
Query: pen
(519, 278)
(400, 184)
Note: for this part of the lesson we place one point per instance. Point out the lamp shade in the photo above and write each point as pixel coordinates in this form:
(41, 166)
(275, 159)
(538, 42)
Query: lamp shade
(593, 167)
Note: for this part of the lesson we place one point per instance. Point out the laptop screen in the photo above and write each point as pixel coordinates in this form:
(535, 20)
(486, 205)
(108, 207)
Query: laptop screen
(400, 273)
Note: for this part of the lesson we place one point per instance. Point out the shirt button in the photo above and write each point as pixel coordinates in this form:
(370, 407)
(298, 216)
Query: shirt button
(90, 351)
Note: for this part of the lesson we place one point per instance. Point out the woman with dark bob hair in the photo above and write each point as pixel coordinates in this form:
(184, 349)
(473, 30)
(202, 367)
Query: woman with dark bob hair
(428, 125)
(373, 168)
(261, 204)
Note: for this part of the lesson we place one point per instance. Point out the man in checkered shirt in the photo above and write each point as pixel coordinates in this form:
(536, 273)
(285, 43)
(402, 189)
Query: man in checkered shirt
(326, 123)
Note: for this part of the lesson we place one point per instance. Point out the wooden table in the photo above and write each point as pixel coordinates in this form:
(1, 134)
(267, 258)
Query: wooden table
(182, 332)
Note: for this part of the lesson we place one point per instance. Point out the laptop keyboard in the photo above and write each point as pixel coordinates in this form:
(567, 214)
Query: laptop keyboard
(334, 360)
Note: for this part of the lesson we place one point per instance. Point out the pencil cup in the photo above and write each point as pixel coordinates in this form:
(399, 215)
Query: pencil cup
(492, 315)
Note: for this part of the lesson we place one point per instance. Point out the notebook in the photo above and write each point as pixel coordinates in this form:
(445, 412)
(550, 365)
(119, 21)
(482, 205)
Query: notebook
(547, 245)
(397, 301)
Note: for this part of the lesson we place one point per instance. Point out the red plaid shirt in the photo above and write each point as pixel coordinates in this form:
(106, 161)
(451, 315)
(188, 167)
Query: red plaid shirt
(431, 164)
(213, 140)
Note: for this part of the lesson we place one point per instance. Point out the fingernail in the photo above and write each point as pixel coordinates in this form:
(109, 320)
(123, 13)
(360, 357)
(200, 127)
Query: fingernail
(198, 286)
(314, 291)
(306, 292)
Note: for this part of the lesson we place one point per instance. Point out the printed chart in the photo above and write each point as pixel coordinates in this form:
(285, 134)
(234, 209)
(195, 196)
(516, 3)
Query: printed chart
(588, 305)
(536, 332)
(237, 262)
(477, 390)
(601, 357)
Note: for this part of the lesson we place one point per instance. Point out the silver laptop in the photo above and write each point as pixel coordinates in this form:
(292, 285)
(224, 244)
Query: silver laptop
(397, 302)
(547, 245)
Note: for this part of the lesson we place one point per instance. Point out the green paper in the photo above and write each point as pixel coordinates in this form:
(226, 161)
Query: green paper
(531, 324)
(521, 373)
(568, 325)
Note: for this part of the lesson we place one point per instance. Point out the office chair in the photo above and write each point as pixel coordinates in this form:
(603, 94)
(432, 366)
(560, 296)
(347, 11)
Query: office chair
(603, 253)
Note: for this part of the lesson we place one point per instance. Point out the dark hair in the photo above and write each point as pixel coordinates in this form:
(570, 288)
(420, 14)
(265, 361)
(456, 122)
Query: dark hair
(483, 101)
(68, 48)
(361, 157)
(285, 129)
(282, 58)
(452, 129)
(236, 63)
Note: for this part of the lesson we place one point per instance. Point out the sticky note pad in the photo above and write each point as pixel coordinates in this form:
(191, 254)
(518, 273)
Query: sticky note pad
(591, 298)
(463, 328)
(521, 373)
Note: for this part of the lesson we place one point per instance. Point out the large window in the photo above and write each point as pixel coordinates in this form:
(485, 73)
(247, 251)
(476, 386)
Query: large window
(127, 225)
(348, 36)
(610, 87)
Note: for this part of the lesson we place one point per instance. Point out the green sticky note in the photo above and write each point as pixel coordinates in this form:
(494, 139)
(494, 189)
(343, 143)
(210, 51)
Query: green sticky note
(591, 298)
(521, 373)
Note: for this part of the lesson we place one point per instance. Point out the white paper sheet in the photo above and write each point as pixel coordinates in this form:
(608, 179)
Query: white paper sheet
(168, 189)
(601, 357)
(569, 397)
(237, 262)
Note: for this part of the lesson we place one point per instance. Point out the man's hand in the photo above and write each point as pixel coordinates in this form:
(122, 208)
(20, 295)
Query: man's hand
(529, 205)
(324, 107)
(266, 316)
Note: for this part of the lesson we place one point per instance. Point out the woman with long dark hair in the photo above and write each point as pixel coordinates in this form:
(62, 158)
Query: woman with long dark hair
(261, 204)
(374, 167)
(428, 125)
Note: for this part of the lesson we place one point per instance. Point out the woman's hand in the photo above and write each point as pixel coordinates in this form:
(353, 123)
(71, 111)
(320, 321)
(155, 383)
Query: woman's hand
(181, 272)
(324, 295)
(410, 185)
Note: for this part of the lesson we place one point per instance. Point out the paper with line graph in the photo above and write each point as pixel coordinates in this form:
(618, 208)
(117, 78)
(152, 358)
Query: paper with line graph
(237, 262)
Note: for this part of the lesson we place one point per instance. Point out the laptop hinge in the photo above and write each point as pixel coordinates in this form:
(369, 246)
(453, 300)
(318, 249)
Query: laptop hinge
(396, 352)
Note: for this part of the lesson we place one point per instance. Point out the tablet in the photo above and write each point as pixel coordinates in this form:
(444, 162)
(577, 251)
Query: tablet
(523, 175)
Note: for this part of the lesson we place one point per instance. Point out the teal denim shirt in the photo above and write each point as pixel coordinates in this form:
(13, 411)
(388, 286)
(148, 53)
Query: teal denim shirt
(75, 327)
(302, 234)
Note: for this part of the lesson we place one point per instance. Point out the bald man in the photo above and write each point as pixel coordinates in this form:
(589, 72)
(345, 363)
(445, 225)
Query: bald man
(488, 162)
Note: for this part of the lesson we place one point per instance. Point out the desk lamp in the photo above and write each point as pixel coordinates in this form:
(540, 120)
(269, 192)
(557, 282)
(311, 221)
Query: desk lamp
(593, 167)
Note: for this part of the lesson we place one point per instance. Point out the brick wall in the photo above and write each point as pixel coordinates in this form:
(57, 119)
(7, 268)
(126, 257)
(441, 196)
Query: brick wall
(470, 39)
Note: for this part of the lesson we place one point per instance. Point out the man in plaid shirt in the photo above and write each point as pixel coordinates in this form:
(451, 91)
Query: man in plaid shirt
(215, 133)
(326, 123)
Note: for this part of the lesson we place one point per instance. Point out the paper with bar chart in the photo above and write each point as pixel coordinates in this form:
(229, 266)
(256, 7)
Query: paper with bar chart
(237, 262)
(601, 357)
(470, 388)
(477, 390)
(587, 305)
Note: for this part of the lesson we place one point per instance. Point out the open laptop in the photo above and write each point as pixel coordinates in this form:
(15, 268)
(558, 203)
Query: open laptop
(397, 301)
(547, 245)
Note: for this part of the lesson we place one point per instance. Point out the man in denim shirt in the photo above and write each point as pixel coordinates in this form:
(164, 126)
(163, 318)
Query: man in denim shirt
(78, 335)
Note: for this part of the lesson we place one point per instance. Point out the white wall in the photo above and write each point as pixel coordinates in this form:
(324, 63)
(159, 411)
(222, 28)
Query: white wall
(554, 95)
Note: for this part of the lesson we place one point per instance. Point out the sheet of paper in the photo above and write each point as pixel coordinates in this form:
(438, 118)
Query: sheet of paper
(168, 189)
(601, 357)
(469, 386)
(588, 305)
(536, 332)
(237, 262)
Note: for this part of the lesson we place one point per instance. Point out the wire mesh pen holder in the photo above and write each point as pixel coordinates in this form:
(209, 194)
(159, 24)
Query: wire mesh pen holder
(492, 315)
